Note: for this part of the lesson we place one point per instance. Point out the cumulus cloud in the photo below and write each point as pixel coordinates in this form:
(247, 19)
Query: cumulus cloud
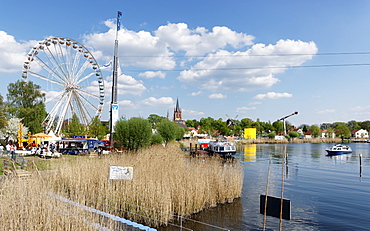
(196, 93)
(126, 84)
(140, 49)
(326, 111)
(254, 103)
(154, 102)
(127, 104)
(252, 69)
(200, 41)
(244, 109)
(192, 113)
(12, 53)
(217, 96)
(273, 95)
(153, 74)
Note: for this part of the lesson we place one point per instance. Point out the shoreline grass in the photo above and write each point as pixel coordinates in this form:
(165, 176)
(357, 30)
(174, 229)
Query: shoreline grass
(167, 182)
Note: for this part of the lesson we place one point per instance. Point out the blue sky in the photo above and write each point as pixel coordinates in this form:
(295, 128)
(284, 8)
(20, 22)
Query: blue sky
(215, 57)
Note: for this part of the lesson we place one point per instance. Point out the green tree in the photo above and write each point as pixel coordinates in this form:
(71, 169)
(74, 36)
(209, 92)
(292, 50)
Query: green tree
(156, 139)
(155, 119)
(293, 134)
(352, 125)
(3, 113)
(304, 128)
(180, 132)
(97, 129)
(74, 128)
(246, 123)
(26, 101)
(271, 135)
(315, 131)
(134, 133)
(278, 127)
(258, 127)
(169, 131)
(365, 125)
(190, 123)
(342, 131)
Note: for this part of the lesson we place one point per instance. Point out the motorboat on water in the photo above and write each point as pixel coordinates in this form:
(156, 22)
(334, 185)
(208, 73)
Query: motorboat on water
(339, 149)
(222, 147)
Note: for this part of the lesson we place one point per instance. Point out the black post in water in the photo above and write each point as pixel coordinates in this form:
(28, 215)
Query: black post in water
(360, 165)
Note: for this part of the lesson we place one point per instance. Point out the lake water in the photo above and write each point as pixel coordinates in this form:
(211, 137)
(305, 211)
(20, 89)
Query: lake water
(326, 193)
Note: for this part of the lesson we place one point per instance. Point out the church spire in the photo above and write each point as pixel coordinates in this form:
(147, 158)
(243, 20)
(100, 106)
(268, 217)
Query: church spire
(177, 112)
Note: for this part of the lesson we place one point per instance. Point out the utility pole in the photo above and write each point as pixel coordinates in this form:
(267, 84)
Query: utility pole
(114, 106)
(284, 118)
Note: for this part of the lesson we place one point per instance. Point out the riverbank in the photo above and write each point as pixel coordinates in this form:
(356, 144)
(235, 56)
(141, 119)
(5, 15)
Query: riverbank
(166, 183)
(186, 143)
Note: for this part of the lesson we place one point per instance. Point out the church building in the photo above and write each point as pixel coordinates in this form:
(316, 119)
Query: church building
(177, 114)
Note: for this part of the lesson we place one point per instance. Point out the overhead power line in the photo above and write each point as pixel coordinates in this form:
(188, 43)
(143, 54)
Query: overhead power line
(257, 68)
(251, 55)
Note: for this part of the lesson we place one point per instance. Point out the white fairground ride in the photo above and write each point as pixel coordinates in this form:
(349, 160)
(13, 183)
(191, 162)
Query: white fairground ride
(71, 79)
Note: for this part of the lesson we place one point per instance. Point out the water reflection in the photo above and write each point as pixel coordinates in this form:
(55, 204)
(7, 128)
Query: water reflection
(344, 157)
(250, 151)
(320, 188)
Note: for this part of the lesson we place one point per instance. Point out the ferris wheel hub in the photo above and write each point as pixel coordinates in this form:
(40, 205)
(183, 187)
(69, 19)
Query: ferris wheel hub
(72, 86)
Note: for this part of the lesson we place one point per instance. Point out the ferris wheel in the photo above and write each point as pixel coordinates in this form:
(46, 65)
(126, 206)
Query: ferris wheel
(71, 79)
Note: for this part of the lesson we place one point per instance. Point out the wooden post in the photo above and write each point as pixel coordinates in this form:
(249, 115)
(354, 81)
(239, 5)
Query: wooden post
(360, 165)
(267, 190)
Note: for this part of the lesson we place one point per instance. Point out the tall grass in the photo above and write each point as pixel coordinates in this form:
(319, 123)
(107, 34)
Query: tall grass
(166, 182)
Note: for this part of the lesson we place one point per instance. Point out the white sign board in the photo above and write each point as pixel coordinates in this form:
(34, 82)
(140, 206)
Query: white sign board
(115, 109)
(121, 173)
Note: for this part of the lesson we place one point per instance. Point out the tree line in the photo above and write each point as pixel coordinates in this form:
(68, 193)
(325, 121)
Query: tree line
(25, 103)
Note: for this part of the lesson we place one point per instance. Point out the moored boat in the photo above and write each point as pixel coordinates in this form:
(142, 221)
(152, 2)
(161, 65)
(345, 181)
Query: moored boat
(339, 149)
(222, 147)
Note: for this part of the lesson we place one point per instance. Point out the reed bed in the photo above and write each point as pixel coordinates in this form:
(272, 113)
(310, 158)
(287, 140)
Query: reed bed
(167, 183)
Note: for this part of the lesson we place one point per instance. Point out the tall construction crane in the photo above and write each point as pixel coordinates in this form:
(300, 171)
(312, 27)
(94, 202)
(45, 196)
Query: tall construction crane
(284, 118)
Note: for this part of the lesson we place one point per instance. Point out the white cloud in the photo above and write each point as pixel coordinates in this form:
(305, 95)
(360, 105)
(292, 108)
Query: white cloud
(200, 41)
(217, 96)
(140, 49)
(244, 109)
(360, 108)
(154, 102)
(126, 84)
(12, 53)
(252, 69)
(254, 103)
(195, 93)
(326, 111)
(153, 74)
(273, 95)
(192, 113)
(127, 104)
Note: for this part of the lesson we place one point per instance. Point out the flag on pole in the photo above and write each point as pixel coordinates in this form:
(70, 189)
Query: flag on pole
(105, 66)
(119, 20)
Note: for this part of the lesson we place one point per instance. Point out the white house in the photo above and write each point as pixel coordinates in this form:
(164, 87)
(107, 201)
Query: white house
(326, 134)
(360, 133)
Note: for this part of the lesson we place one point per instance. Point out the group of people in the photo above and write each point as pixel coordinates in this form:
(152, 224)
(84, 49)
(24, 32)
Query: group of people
(10, 149)
(35, 149)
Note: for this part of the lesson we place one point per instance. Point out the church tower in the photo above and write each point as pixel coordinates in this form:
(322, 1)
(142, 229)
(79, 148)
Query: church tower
(177, 113)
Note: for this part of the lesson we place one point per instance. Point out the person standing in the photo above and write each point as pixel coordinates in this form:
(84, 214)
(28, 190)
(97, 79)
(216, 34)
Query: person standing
(12, 151)
(7, 148)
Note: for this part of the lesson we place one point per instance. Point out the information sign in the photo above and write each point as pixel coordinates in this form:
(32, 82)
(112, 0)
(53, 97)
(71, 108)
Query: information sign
(121, 173)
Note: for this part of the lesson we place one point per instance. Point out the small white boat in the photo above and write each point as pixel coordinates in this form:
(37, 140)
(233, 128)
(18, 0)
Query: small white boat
(222, 147)
(339, 149)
